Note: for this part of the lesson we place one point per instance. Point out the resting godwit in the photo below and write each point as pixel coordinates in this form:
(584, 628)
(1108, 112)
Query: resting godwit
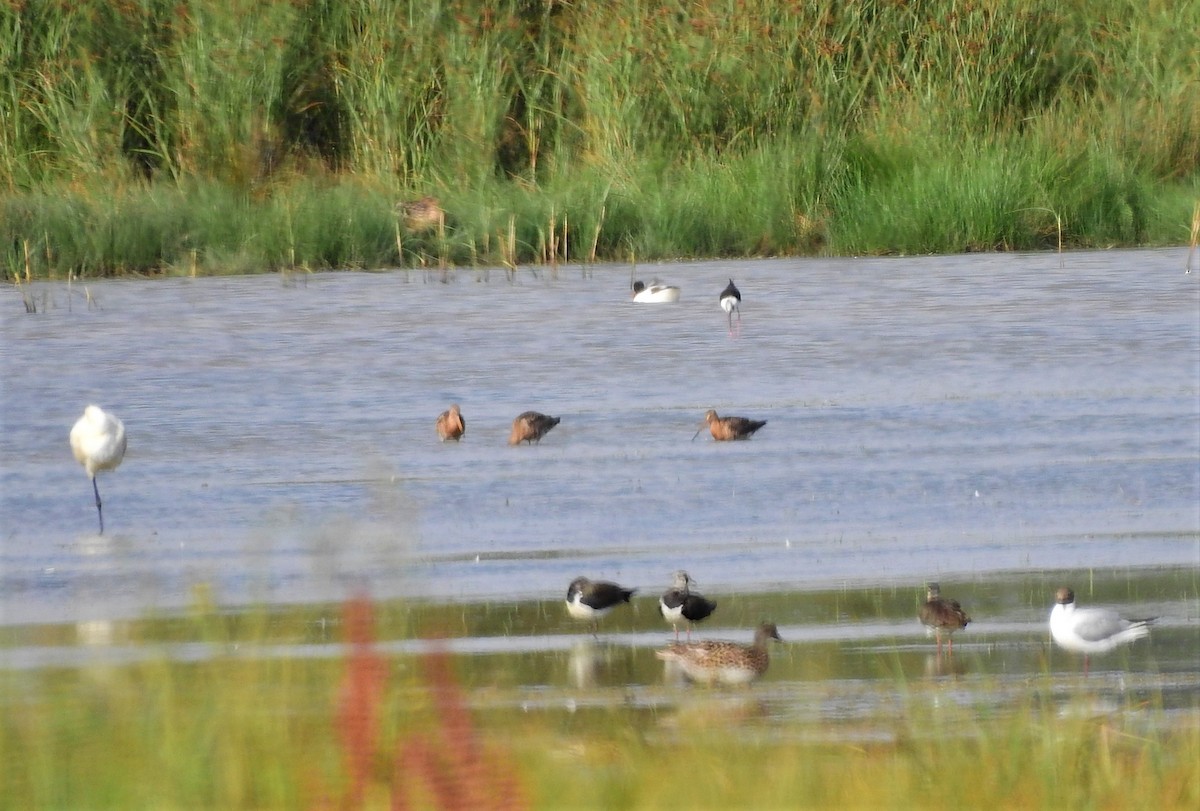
(450, 424)
(724, 429)
(98, 442)
(530, 427)
(723, 662)
(1091, 630)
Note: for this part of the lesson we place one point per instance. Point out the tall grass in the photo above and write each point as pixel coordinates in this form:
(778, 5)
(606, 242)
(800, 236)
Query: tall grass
(679, 129)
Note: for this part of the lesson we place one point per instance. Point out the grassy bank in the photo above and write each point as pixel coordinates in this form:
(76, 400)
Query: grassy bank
(149, 136)
(364, 730)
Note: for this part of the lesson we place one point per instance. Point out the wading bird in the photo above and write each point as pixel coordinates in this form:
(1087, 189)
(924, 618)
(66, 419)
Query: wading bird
(422, 215)
(724, 429)
(98, 442)
(942, 616)
(450, 424)
(655, 294)
(591, 599)
(678, 603)
(530, 427)
(731, 300)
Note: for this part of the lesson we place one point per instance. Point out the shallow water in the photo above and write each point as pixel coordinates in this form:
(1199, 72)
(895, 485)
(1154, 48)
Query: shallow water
(999, 422)
(947, 417)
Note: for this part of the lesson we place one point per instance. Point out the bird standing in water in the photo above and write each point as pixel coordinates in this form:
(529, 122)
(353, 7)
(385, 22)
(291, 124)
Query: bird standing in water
(678, 603)
(711, 662)
(731, 299)
(530, 427)
(1091, 630)
(656, 293)
(591, 599)
(724, 429)
(98, 442)
(450, 424)
(942, 616)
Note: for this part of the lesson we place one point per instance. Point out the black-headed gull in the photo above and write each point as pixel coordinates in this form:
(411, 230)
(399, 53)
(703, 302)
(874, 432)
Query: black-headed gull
(1091, 630)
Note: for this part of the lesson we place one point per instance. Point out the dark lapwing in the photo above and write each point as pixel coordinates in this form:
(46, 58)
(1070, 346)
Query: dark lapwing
(98, 442)
(678, 603)
(942, 616)
(731, 299)
(530, 427)
(724, 429)
(591, 599)
(450, 424)
(722, 662)
(1091, 630)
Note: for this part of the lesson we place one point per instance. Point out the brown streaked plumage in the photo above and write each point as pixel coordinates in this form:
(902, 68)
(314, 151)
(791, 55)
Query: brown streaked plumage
(723, 662)
(422, 215)
(942, 616)
(530, 427)
(724, 429)
(450, 424)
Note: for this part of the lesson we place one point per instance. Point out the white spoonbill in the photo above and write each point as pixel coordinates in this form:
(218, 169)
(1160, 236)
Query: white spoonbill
(98, 442)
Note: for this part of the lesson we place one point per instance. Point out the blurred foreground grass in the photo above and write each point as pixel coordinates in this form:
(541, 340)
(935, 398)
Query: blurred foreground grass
(363, 730)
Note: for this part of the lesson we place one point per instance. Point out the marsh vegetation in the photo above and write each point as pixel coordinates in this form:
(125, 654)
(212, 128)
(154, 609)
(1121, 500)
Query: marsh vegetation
(156, 136)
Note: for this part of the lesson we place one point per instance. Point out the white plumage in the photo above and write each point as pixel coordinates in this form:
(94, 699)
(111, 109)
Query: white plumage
(1091, 630)
(656, 293)
(98, 442)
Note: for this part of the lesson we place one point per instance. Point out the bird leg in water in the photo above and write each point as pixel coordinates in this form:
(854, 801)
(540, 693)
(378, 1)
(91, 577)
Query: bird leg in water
(99, 510)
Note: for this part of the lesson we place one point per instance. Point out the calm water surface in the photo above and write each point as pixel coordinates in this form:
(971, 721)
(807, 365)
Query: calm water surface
(1001, 423)
(948, 417)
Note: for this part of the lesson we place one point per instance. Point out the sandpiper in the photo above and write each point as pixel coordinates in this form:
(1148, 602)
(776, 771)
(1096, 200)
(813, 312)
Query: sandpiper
(450, 424)
(1091, 630)
(723, 662)
(724, 429)
(731, 300)
(592, 599)
(942, 616)
(530, 427)
(678, 603)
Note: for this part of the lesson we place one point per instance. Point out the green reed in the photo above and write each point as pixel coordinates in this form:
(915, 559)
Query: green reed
(664, 129)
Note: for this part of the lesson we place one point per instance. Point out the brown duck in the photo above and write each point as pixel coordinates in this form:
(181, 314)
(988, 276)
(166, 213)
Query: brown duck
(723, 662)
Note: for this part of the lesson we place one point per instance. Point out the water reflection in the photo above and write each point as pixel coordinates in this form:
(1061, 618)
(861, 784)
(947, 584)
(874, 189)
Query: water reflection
(939, 665)
(583, 664)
